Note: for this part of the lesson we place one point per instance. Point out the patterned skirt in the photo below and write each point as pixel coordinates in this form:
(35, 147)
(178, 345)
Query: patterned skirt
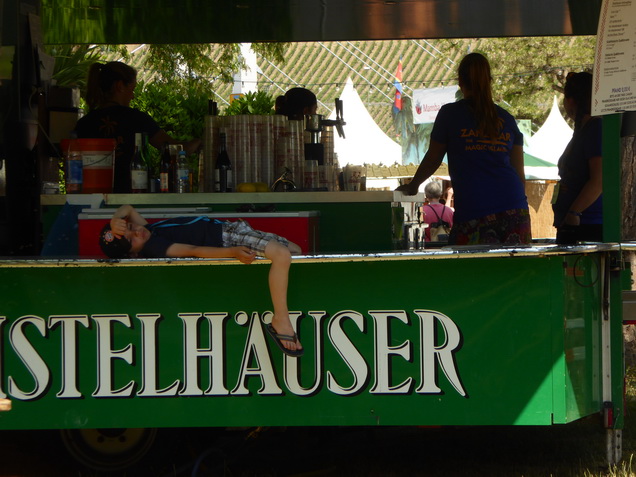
(510, 227)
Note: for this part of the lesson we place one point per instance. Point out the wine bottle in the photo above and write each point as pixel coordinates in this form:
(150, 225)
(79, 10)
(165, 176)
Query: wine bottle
(138, 168)
(212, 108)
(164, 170)
(173, 173)
(153, 172)
(223, 177)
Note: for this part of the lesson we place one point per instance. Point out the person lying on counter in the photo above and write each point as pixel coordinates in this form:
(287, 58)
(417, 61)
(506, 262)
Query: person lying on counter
(129, 235)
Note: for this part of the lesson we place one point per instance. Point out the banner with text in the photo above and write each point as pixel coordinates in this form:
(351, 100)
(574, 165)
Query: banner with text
(427, 102)
(614, 87)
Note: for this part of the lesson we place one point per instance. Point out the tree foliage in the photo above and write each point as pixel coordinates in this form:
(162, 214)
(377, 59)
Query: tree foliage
(180, 115)
(191, 63)
(526, 71)
(529, 72)
(186, 63)
(73, 61)
(185, 67)
(259, 102)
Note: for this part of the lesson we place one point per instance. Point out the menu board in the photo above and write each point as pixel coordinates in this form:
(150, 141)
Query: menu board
(614, 87)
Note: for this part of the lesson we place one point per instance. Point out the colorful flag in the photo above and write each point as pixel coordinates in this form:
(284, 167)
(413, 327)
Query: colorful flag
(397, 102)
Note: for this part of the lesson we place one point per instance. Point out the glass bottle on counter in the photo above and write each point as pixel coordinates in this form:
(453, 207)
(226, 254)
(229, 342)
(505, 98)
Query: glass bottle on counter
(138, 168)
(223, 176)
(183, 173)
(164, 169)
(73, 166)
(153, 172)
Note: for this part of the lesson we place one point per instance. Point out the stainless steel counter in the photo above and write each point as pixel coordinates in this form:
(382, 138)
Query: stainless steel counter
(232, 198)
(458, 252)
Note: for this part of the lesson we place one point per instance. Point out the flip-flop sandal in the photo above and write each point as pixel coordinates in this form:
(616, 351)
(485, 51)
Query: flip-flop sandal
(279, 338)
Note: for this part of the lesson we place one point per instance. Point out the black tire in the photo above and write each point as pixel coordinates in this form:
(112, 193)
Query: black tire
(108, 450)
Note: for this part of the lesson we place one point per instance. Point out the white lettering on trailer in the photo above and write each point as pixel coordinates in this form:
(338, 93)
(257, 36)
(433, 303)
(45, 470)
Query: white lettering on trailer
(431, 352)
(69, 352)
(106, 355)
(383, 352)
(204, 347)
(193, 354)
(348, 352)
(2, 320)
(256, 348)
(291, 368)
(30, 357)
(150, 363)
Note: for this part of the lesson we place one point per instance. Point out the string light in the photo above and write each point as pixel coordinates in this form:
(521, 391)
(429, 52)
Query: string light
(522, 77)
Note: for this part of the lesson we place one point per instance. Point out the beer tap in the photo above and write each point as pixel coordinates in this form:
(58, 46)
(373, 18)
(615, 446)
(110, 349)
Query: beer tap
(339, 121)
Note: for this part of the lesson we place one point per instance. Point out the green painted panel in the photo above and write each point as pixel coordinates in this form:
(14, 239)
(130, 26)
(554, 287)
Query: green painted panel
(612, 200)
(351, 227)
(582, 336)
(389, 342)
(344, 226)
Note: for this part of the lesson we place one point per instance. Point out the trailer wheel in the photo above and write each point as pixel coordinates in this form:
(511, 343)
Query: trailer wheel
(108, 449)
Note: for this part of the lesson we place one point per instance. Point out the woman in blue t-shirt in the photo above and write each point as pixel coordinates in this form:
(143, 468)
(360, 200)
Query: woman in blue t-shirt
(485, 162)
(578, 209)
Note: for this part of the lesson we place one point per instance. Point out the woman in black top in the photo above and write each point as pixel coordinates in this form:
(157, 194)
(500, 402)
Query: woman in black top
(578, 209)
(110, 89)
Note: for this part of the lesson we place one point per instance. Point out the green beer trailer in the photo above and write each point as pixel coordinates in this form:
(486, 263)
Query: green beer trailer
(521, 336)
(455, 336)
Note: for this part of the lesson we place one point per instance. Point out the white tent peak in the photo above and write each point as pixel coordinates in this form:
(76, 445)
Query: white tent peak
(364, 142)
(246, 80)
(553, 136)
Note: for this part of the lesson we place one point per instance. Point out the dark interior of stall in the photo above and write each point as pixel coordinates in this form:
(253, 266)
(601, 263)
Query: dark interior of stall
(27, 157)
(20, 117)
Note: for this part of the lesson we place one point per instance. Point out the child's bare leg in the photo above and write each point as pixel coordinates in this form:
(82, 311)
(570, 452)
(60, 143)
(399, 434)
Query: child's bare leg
(278, 281)
(294, 248)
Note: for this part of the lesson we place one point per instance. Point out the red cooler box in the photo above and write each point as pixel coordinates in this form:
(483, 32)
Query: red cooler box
(298, 227)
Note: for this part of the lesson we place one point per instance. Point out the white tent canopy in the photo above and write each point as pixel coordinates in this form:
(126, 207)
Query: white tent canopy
(541, 172)
(364, 141)
(550, 140)
(246, 80)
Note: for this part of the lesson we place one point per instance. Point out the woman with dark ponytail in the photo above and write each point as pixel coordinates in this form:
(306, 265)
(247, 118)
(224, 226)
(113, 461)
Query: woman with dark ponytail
(110, 89)
(578, 209)
(485, 161)
(103, 81)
